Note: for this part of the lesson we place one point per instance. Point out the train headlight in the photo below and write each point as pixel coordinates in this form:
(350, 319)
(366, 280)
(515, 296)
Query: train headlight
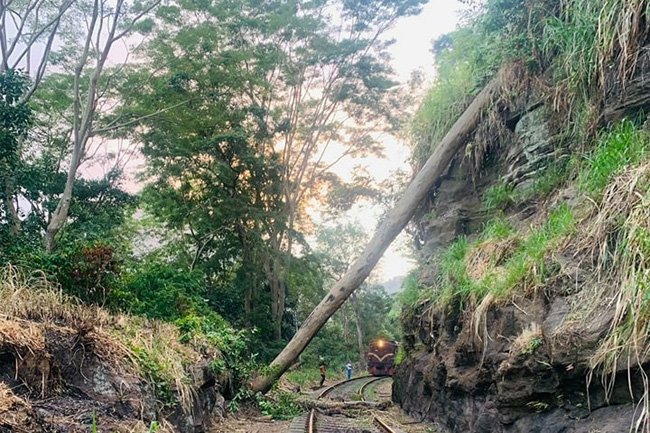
(380, 344)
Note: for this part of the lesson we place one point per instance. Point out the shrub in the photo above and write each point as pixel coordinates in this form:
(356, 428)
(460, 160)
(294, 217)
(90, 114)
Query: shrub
(279, 404)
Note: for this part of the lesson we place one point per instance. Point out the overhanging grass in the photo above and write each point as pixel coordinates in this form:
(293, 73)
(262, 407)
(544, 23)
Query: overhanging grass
(589, 34)
(500, 262)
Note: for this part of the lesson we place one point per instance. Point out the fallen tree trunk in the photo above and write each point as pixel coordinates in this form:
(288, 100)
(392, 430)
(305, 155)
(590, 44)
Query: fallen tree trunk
(392, 225)
(325, 405)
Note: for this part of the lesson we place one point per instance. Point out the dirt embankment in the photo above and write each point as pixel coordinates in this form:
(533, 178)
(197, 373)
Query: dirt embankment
(66, 367)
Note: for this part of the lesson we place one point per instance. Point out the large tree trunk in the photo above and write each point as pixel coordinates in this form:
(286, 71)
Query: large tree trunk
(273, 274)
(12, 211)
(392, 225)
(60, 215)
(357, 321)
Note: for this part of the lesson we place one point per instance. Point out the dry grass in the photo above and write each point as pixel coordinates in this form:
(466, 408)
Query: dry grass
(23, 335)
(529, 339)
(616, 243)
(492, 133)
(488, 257)
(478, 323)
(30, 304)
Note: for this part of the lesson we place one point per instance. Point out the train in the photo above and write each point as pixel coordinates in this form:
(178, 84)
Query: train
(381, 357)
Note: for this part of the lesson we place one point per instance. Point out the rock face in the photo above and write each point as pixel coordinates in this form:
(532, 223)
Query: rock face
(455, 204)
(520, 366)
(628, 97)
(506, 383)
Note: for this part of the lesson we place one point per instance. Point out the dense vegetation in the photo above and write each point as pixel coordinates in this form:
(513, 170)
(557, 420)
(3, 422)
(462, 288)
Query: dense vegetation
(228, 109)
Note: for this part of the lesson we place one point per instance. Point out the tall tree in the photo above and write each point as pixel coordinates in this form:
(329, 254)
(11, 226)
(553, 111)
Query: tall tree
(332, 87)
(299, 77)
(28, 31)
(214, 175)
(108, 23)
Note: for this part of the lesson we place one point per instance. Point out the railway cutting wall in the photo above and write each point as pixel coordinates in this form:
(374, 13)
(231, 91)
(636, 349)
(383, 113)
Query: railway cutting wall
(532, 359)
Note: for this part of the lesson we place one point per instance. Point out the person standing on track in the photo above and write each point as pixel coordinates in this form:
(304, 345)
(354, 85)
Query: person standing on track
(323, 371)
(348, 370)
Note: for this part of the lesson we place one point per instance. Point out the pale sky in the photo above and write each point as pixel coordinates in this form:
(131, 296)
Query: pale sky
(412, 50)
(414, 36)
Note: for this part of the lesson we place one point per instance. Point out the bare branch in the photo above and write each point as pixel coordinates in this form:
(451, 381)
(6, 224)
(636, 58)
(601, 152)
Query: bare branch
(113, 126)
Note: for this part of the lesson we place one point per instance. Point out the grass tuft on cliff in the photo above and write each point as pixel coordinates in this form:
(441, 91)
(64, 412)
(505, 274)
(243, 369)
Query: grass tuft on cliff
(501, 261)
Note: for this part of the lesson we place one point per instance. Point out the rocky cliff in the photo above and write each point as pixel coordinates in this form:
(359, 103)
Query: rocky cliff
(534, 334)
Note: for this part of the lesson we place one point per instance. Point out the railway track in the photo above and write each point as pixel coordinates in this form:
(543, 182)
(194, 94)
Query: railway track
(355, 389)
(318, 423)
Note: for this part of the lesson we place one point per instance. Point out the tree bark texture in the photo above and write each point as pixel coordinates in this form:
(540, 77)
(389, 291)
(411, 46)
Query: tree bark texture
(392, 225)
(357, 321)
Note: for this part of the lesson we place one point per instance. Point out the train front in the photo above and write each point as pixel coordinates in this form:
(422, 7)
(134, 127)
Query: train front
(381, 357)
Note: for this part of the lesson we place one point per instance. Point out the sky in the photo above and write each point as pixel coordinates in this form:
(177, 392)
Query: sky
(411, 51)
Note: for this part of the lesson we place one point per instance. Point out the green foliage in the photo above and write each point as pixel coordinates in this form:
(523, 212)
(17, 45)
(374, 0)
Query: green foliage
(523, 265)
(157, 377)
(548, 180)
(411, 289)
(587, 35)
(622, 146)
(15, 119)
(161, 290)
(532, 345)
(501, 31)
(303, 376)
(235, 357)
(282, 405)
(400, 356)
(496, 229)
(498, 197)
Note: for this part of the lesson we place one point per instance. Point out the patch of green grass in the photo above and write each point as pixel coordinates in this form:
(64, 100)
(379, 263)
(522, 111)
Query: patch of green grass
(534, 344)
(454, 280)
(280, 405)
(400, 356)
(624, 145)
(525, 267)
(442, 105)
(496, 228)
(498, 197)
(303, 376)
(587, 35)
(546, 181)
(157, 376)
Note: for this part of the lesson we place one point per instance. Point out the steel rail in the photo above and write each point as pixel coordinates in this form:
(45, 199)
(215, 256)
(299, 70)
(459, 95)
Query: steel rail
(383, 425)
(311, 422)
(339, 384)
(363, 387)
